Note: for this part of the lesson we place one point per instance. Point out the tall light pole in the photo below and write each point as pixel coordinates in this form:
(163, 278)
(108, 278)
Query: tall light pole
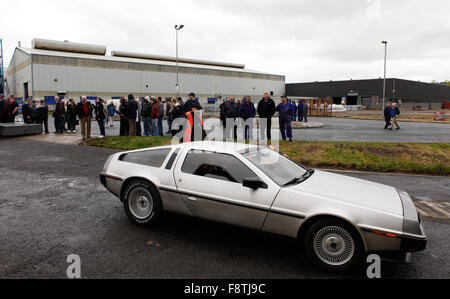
(177, 28)
(384, 80)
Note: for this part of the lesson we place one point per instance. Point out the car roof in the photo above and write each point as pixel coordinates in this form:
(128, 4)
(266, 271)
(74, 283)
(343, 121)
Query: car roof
(220, 146)
(213, 146)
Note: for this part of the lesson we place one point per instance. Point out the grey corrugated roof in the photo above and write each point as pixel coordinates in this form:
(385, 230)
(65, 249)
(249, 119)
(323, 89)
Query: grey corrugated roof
(31, 51)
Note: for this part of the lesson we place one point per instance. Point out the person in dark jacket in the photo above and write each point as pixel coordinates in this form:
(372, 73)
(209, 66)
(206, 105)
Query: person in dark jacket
(160, 116)
(231, 111)
(176, 112)
(71, 116)
(34, 112)
(42, 116)
(285, 118)
(294, 110)
(300, 107)
(395, 112)
(305, 110)
(2, 103)
(167, 106)
(146, 110)
(223, 118)
(131, 109)
(84, 112)
(138, 118)
(26, 112)
(189, 102)
(4, 112)
(100, 116)
(247, 112)
(58, 116)
(266, 109)
(387, 115)
(124, 125)
(12, 109)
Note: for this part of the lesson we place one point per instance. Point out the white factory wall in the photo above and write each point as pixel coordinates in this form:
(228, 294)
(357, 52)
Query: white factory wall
(119, 82)
(19, 72)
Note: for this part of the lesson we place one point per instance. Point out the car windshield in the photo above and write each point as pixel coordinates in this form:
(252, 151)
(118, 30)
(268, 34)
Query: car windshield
(279, 168)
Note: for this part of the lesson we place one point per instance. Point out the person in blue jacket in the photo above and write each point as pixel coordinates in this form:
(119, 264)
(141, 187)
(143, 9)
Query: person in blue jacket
(395, 112)
(111, 112)
(300, 110)
(285, 117)
(294, 111)
(247, 112)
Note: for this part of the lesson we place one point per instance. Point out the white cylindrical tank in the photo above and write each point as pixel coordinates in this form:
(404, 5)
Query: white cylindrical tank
(173, 59)
(54, 45)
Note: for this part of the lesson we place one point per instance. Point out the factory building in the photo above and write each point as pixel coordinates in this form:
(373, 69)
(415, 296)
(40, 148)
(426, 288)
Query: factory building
(51, 68)
(369, 93)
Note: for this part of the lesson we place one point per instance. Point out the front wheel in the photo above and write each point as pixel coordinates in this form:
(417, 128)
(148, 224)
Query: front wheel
(333, 244)
(142, 203)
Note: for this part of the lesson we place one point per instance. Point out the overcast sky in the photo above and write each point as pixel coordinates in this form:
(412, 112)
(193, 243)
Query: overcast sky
(304, 40)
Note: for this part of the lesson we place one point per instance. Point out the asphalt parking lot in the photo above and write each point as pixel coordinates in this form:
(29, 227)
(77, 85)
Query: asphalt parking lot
(338, 129)
(52, 205)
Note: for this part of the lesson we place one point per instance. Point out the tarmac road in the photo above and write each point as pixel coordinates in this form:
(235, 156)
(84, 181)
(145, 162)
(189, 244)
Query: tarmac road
(338, 129)
(52, 205)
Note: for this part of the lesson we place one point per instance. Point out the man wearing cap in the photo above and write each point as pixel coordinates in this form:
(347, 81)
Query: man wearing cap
(285, 117)
(194, 130)
(190, 102)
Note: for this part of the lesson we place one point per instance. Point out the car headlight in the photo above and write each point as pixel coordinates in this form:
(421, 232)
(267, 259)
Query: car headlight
(411, 220)
(409, 209)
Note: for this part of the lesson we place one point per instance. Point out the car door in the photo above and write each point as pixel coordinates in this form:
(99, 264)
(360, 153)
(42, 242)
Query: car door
(211, 185)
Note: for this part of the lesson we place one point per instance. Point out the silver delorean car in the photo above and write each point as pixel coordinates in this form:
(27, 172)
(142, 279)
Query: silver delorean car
(338, 219)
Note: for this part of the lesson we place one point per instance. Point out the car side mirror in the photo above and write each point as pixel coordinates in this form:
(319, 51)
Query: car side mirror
(254, 183)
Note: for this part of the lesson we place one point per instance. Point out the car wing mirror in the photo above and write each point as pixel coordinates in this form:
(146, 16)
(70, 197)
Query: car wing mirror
(254, 183)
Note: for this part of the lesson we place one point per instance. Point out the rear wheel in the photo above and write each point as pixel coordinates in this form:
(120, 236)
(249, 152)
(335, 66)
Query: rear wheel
(142, 203)
(333, 244)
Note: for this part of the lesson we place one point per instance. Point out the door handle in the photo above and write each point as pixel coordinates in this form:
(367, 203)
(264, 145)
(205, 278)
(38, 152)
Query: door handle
(192, 199)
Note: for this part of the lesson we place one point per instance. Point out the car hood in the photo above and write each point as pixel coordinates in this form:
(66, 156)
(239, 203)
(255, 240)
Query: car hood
(352, 190)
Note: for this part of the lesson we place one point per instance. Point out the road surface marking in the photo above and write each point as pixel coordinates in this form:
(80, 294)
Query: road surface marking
(437, 210)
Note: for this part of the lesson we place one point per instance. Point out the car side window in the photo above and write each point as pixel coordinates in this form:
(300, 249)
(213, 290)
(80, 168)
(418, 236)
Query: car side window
(153, 158)
(216, 166)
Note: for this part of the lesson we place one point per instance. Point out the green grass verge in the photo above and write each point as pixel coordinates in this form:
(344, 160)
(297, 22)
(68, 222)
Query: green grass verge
(129, 142)
(414, 158)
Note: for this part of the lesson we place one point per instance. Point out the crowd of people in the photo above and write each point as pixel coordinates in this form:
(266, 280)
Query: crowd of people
(242, 112)
(144, 117)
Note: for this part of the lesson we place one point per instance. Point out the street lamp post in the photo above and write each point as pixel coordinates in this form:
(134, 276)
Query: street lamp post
(384, 80)
(177, 28)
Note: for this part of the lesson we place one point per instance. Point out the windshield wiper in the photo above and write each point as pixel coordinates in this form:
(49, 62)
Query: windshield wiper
(294, 181)
(309, 172)
(304, 177)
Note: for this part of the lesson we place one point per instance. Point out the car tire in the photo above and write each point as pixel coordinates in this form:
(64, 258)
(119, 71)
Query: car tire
(142, 203)
(334, 245)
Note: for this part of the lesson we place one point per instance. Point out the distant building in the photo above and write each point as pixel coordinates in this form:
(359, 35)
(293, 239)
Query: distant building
(68, 69)
(369, 93)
